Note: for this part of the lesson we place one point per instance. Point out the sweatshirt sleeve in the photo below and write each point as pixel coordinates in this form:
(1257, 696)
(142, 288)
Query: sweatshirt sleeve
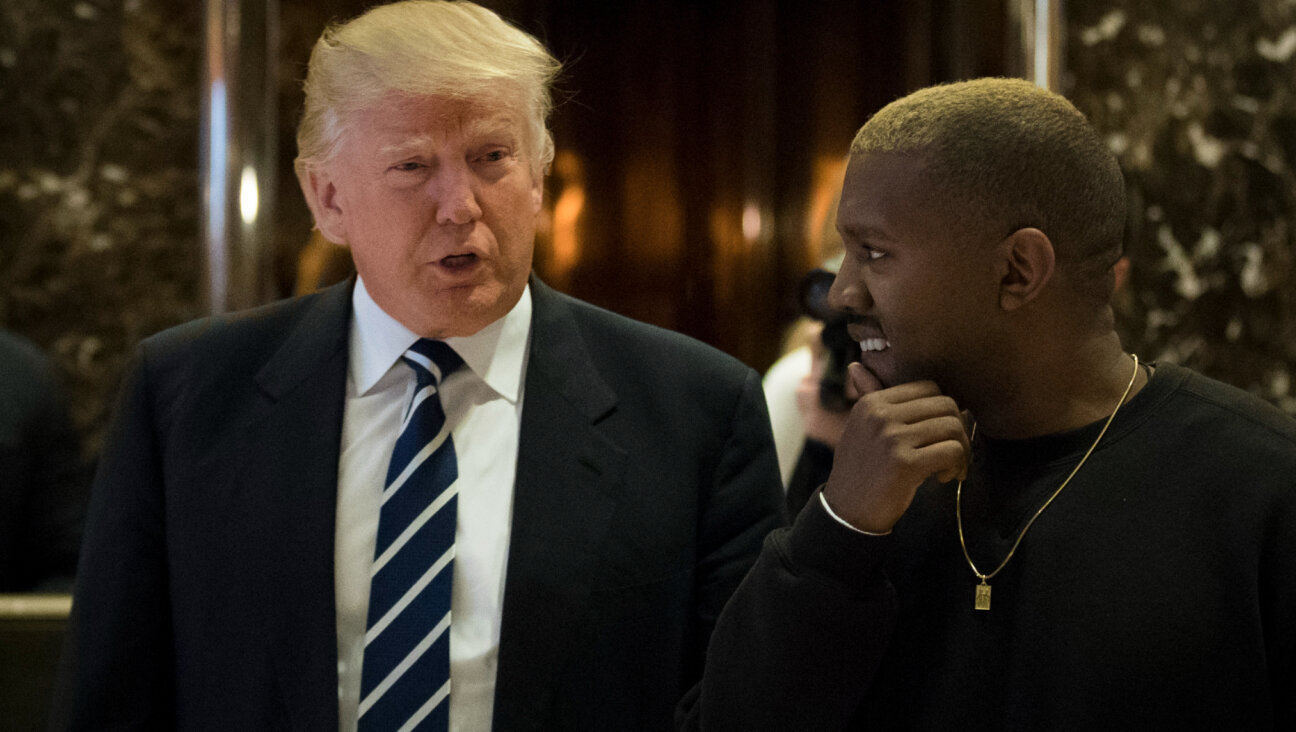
(800, 640)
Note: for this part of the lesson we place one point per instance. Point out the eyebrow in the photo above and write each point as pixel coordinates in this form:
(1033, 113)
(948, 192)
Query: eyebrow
(864, 232)
(405, 146)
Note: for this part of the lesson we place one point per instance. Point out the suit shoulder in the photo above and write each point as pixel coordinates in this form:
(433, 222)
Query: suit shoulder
(646, 343)
(21, 358)
(31, 378)
(251, 335)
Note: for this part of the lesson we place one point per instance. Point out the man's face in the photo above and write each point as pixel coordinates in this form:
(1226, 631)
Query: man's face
(916, 280)
(437, 200)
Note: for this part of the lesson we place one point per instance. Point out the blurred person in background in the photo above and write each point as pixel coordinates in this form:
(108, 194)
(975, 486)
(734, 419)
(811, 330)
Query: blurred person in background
(43, 481)
(822, 402)
(804, 387)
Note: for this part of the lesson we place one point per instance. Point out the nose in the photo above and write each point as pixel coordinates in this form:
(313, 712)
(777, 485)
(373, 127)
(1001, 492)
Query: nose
(454, 192)
(848, 293)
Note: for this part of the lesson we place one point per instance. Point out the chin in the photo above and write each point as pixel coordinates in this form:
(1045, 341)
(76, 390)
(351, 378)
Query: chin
(464, 313)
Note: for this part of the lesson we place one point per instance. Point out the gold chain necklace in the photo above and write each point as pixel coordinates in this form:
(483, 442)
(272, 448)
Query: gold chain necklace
(982, 599)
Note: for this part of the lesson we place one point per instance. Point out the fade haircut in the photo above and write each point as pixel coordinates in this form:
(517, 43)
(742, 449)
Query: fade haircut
(423, 48)
(1014, 155)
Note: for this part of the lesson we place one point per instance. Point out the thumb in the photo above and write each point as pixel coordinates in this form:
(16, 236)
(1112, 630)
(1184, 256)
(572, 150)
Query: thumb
(860, 381)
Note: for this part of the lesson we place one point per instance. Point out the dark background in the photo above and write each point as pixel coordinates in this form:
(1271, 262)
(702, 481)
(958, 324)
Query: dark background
(673, 119)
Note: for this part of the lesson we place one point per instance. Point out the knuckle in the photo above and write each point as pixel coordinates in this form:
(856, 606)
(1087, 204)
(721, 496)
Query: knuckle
(892, 435)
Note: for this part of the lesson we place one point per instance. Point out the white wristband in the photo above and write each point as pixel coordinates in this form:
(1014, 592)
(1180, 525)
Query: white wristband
(843, 521)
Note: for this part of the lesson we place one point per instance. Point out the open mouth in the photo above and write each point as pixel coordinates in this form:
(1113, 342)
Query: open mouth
(868, 334)
(459, 261)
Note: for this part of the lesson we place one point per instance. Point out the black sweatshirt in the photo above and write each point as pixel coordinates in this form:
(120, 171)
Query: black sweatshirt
(1157, 592)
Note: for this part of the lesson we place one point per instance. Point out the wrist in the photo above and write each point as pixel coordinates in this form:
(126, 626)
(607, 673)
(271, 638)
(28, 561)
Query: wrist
(820, 544)
(828, 507)
(847, 509)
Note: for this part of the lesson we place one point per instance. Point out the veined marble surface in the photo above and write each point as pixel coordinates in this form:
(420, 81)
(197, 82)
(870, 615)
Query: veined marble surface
(99, 197)
(1198, 100)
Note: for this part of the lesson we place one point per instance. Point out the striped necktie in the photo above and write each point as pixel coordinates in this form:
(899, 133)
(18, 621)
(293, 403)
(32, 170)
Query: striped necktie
(405, 678)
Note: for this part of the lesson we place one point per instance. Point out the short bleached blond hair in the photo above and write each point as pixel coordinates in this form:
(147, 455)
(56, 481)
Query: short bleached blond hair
(422, 48)
(1014, 155)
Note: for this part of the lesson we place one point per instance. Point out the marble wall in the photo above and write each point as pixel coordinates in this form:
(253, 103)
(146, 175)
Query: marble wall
(1198, 100)
(99, 196)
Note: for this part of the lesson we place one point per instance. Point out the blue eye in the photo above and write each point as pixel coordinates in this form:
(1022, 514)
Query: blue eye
(407, 167)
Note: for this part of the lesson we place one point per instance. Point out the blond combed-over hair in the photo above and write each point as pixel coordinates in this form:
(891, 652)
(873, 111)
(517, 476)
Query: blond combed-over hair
(422, 48)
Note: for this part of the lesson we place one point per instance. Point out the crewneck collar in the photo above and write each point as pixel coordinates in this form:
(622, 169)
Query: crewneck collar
(994, 454)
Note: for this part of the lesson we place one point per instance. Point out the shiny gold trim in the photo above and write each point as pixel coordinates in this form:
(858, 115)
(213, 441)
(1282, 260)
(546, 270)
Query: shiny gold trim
(35, 607)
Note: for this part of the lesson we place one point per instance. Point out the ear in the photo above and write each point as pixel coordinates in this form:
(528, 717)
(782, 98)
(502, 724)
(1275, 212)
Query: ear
(537, 193)
(1027, 267)
(321, 196)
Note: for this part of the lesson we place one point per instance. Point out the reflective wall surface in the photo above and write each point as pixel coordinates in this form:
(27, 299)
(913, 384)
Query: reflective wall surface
(1198, 100)
(99, 187)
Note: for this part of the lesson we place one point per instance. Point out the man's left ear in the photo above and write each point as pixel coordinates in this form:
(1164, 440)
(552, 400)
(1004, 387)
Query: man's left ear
(1027, 266)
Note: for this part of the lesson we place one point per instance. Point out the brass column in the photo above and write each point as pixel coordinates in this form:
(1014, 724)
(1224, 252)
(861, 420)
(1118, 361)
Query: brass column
(238, 153)
(1039, 38)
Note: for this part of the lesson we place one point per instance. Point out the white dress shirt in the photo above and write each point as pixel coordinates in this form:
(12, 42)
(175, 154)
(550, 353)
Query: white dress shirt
(483, 403)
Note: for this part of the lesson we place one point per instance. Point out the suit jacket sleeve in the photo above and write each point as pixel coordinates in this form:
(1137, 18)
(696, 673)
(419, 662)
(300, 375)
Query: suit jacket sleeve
(800, 640)
(116, 670)
(744, 507)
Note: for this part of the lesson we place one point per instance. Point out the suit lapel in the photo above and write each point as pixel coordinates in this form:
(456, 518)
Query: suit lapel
(568, 479)
(291, 455)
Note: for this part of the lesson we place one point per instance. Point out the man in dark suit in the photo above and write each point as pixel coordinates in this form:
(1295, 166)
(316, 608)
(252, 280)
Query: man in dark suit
(608, 483)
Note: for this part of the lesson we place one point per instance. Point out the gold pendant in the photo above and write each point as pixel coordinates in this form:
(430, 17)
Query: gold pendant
(982, 596)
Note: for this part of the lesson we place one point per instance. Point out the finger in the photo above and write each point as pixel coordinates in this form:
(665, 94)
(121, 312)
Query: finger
(945, 461)
(948, 428)
(909, 391)
(969, 424)
(933, 431)
(915, 410)
(860, 381)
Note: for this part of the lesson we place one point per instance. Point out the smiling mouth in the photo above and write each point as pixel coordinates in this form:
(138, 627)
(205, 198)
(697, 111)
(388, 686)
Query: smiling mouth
(873, 345)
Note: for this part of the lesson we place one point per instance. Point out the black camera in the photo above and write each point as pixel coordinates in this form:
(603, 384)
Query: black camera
(841, 350)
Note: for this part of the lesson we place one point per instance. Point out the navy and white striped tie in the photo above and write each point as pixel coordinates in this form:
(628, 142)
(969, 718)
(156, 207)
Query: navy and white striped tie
(405, 678)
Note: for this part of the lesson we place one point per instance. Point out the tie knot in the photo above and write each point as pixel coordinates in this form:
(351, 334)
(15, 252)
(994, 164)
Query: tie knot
(432, 360)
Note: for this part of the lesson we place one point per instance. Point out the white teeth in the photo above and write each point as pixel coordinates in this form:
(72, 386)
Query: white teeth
(874, 344)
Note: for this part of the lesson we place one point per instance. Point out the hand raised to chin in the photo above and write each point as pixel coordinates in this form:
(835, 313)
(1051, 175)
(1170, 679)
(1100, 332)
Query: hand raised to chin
(895, 439)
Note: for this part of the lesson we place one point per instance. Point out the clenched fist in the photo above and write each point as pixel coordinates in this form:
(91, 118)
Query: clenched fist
(895, 439)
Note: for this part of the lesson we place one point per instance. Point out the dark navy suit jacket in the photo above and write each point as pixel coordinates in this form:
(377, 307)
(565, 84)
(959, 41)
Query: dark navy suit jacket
(646, 480)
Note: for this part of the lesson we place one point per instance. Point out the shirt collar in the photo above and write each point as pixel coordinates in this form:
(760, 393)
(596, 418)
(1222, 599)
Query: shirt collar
(496, 353)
